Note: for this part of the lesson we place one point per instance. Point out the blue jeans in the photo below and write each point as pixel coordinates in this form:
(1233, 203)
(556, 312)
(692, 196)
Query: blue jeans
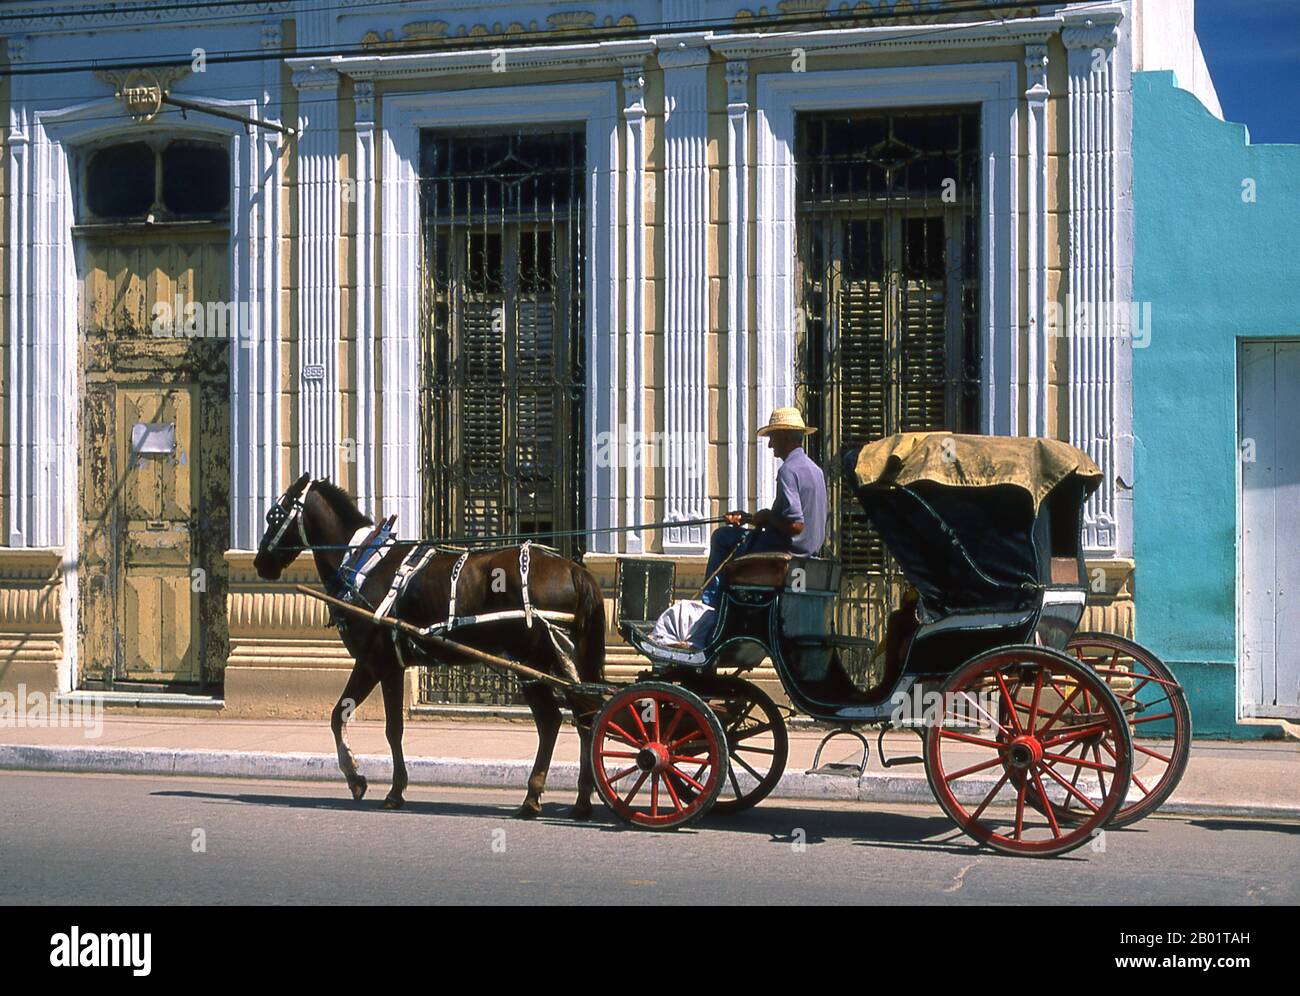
(728, 538)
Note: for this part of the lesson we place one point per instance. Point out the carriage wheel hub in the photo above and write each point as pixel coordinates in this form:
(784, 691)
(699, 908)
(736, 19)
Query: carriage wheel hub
(1025, 752)
(652, 757)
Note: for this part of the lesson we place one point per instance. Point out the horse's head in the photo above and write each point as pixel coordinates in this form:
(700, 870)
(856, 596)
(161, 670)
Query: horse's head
(285, 536)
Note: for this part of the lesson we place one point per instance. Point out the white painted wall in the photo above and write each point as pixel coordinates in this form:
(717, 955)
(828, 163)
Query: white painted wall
(1165, 38)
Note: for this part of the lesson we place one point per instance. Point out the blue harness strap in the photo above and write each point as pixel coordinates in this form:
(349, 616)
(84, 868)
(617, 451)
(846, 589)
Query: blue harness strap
(352, 572)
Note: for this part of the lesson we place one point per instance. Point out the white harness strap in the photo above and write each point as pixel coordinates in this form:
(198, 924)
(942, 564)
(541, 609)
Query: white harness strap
(411, 565)
(455, 577)
(365, 567)
(523, 580)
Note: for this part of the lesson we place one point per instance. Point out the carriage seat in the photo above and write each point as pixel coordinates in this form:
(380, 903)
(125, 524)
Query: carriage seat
(763, 570)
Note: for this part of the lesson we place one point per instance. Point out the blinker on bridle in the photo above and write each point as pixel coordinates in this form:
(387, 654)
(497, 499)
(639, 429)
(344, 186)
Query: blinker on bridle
(278, 515)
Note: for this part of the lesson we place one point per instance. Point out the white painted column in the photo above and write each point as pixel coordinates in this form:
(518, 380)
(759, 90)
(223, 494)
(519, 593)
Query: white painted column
(1092, 326)
(364, 296)
(1036, 95)
(634, 232)
(774, 238)
(739, 434)
(42, 283)
(318, 271)
(18, 153)
(255, 357)
(686, 282)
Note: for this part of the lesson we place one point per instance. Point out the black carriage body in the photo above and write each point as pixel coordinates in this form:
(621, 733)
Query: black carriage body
(993, 565)
(989, 568)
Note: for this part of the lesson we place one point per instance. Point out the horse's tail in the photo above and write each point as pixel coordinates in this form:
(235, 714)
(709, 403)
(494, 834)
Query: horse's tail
(589, 617)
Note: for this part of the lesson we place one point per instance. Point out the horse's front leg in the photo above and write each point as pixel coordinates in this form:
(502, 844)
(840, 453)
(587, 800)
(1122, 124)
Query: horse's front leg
(546, 714)
(360, 684)
(392, 687)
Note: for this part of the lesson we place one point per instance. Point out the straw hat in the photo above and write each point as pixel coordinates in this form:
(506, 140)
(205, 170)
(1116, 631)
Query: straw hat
(786, 420)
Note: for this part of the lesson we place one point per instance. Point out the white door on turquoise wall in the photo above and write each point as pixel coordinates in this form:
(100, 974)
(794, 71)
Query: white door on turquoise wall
(1269, 585)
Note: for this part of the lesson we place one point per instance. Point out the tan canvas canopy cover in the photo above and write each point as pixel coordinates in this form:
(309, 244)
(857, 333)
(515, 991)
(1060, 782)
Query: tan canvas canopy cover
(1034, 464)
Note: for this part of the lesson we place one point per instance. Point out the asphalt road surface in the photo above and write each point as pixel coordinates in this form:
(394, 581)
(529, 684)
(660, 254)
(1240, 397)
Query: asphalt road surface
(104, 839)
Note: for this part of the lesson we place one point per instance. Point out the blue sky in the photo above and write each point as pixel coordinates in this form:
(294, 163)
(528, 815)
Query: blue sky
(1253, 50)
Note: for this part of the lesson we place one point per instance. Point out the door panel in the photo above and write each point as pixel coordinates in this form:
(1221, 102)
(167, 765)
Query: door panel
(154, 525)
(158, 521)
(1270, 519)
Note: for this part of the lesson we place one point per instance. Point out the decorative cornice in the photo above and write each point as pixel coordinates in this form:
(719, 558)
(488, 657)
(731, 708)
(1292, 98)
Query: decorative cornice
(272, 35)
(683, 51)
(634, 89)
(737, 83)
(1100, 30)
(841, 40)
(58, 18)
(419, 33)
(313, 78)
(538, 57)
(1036, 72)
(363, 95)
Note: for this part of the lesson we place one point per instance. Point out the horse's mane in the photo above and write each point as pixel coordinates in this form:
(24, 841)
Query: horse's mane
(343, 504)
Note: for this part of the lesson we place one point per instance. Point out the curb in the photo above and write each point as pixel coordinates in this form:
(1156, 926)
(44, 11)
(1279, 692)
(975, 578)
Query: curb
(454, 772)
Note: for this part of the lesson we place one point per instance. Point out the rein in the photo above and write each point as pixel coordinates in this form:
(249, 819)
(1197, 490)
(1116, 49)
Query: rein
(508, 539)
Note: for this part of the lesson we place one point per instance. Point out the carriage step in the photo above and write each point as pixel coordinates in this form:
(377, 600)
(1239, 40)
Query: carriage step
(840, 769)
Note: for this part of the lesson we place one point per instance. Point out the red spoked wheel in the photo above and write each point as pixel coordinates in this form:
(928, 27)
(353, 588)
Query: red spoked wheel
(659, 755)
(758, 744)
(1159, 721)
(1007, 737)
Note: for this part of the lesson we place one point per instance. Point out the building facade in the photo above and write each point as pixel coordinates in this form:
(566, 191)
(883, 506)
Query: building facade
(532, 267)
(1216, 397)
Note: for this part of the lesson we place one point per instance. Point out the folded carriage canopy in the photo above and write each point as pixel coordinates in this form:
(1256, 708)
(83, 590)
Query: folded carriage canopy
(975, 522)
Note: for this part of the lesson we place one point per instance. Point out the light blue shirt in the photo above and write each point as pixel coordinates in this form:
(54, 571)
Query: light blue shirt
(801, 497)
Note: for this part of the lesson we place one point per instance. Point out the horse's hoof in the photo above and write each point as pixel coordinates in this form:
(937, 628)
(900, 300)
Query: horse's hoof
(358, 788)
(527, 812)
(393, 802)
(581, 812)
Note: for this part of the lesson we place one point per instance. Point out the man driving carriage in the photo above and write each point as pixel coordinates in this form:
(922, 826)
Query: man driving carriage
(796, 523)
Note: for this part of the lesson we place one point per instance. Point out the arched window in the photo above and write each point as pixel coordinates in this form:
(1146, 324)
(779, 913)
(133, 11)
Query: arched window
(157, 180)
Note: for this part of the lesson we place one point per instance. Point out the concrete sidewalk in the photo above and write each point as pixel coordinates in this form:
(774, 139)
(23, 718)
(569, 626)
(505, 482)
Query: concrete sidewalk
(1259, 779)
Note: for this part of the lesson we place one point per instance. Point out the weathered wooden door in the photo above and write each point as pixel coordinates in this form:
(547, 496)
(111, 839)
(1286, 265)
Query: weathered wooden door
(154, 469)
(1270, 522)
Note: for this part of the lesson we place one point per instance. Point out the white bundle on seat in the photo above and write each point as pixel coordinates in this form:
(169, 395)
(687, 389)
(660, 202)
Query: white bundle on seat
(686, 622)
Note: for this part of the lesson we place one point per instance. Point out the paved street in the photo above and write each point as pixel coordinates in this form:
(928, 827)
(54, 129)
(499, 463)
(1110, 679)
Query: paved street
(90, 839)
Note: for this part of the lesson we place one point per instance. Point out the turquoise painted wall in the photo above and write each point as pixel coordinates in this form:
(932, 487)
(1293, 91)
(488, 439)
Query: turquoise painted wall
(1217, 269)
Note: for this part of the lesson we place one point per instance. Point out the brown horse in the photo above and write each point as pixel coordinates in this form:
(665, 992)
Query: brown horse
(322, 516)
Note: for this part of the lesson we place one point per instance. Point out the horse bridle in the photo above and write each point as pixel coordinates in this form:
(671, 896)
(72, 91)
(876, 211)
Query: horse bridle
(277, 514)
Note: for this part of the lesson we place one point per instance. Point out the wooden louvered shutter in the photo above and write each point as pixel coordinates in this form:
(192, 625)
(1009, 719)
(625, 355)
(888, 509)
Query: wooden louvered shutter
(480, 423)
(480, 413)
(863, 402)
(534, 439)
(923, 328)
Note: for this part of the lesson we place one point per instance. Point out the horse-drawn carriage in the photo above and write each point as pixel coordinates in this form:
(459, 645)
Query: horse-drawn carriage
(1039, 736)
(1035, 737)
